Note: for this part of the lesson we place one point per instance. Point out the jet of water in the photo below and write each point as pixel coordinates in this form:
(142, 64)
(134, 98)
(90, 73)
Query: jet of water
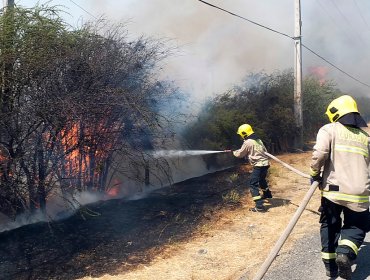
(182, 153)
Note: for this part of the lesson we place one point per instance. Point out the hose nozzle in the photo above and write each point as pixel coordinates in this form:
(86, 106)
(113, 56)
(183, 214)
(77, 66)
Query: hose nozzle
(227, 151)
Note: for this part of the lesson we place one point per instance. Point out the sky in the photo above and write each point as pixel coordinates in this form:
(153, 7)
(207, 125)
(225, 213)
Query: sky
(216, 49)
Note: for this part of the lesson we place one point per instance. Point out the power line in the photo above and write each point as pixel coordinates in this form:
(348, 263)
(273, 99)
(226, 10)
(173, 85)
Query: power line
(286, 35)
(83, 9)
(362, 16)
(251, 21)
(349, 36)
(348, 22)
(327, 61)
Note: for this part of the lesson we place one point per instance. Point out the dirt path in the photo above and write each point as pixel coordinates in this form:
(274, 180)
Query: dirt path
(236, 241)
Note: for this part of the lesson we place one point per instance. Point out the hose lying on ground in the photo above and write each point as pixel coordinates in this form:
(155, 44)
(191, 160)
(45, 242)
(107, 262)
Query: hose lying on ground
(275, 250)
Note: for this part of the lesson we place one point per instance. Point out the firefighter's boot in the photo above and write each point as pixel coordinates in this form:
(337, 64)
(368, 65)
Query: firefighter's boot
(344, 266)
(259, 206)
(266, 194)
(331, 268)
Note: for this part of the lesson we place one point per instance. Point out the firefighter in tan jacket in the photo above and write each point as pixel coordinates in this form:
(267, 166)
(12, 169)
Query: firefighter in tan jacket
(254, 149)
(340, 163)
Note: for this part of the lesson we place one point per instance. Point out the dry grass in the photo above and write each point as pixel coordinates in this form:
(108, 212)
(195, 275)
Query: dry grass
(236, 241)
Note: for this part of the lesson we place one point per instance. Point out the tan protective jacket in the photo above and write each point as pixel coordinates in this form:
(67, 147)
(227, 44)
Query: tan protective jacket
(255, 151)
(343, 153)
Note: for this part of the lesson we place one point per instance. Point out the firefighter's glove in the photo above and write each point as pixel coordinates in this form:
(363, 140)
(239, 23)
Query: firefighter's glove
(316, 178)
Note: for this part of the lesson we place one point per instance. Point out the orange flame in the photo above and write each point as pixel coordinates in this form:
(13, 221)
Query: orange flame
(319, 72)
(87, 148)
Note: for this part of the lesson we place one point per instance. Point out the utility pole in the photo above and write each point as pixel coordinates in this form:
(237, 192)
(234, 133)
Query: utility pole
(298, 140)
(8, 4)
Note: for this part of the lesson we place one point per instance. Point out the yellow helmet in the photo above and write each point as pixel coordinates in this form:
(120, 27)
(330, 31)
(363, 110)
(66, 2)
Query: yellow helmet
(341, 106)
(245, 130)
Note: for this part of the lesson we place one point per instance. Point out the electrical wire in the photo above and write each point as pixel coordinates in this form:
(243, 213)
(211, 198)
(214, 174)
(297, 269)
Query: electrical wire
(350, 37)
(293, 38)
(348, 22)
(251, 21)
(361, 15)
(83, 9)
(327, 61)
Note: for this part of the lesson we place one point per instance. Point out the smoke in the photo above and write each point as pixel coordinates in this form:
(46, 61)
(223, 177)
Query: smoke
(218, 50)
(339, 32)
(57, 207)
(215, 49)
(60, 207)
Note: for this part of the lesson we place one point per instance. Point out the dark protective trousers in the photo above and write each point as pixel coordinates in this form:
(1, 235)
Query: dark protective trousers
(257, 181)
(354, 227)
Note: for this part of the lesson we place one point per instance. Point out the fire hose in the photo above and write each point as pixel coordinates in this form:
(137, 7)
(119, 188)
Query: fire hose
(280, 242)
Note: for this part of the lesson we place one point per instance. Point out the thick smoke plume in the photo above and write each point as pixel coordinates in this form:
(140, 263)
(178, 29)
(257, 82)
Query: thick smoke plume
(217, 49)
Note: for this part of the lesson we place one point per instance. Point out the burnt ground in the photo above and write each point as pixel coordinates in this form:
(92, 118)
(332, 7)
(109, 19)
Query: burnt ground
(117, 235)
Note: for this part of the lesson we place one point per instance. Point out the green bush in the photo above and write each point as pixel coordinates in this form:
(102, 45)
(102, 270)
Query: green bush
(266, 102)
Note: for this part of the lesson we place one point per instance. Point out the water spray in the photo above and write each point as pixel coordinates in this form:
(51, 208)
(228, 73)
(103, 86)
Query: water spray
(184, 153)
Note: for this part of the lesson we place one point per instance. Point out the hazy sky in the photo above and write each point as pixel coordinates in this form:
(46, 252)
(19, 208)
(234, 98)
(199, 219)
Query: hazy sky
(217, 49)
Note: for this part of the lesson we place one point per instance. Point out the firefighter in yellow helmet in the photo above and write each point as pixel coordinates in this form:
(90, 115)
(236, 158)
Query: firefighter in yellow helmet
(340, 163)
(254, 149)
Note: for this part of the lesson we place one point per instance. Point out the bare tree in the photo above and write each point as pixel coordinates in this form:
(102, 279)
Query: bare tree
(78, 99)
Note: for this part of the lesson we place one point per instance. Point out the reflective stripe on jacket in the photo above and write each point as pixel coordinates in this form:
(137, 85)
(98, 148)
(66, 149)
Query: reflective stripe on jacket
(343, 152)
(255, 151)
